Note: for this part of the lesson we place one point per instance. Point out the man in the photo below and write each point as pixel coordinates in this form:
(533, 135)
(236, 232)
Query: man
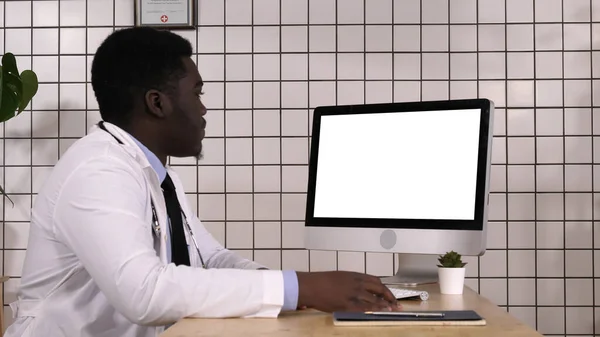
(110, 250)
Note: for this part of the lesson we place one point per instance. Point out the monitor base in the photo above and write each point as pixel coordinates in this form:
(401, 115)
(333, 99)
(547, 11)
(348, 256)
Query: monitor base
(414, 270)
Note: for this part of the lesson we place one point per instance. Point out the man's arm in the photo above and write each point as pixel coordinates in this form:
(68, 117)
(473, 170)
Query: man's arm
(351, 291)
(102, 215)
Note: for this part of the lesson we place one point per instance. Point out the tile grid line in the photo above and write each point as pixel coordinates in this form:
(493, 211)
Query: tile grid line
(478, 96)
(280, 142)
(420, 50)
(592, 182)
(364, 80)
(252, 101)
(58, 89)
(499, 106)
(440, 79)
(554, 306)
(30, 108)
(564, 195)
(308, 253)
(525, 219)
(346, 52)
(522, 135)
(506, 228)
(225, 206)
(395, 262)
(449, 49)
(535, 224)
(241, 25)
(549, 50)
(4, 201)
(297, 220)
(336, 3)
(552, 163)
(472, 277)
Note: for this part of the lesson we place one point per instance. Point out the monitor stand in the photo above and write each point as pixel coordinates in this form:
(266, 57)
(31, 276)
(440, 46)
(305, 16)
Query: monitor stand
(414, 270)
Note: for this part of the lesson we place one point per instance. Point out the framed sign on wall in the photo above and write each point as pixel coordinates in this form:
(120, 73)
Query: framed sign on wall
(171, 14)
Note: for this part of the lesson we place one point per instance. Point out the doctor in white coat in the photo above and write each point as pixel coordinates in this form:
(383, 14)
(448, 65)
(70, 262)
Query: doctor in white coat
(115, 250)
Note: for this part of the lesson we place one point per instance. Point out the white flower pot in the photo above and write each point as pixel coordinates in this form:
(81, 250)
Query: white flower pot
(452, 280)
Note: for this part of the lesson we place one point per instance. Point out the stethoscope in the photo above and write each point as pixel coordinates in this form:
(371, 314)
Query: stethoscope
(155, 225)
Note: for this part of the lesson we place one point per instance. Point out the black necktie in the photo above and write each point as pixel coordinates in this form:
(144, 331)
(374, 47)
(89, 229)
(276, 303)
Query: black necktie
(179, 248)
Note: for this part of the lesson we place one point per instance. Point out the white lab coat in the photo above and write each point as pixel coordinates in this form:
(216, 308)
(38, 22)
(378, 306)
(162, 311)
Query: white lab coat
(94, 267)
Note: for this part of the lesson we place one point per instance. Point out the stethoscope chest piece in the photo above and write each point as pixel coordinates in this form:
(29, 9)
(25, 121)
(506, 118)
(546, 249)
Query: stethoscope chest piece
(155, 225)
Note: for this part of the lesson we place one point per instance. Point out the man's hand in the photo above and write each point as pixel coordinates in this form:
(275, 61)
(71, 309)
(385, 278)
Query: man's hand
(344, 291)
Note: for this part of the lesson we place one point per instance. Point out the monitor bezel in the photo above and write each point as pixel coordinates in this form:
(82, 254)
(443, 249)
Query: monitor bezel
(482, 185)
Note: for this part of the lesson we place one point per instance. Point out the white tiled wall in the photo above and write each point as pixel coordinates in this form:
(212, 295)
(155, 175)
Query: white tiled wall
(267, 63)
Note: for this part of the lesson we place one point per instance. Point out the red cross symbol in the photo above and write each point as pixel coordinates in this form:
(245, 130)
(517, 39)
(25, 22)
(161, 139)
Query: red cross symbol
(164, 18)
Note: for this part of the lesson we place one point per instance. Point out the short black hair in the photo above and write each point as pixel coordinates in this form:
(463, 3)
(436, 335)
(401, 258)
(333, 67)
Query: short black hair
(131, 61)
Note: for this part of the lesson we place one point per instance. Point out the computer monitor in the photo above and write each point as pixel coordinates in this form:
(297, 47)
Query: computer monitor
(406, 178)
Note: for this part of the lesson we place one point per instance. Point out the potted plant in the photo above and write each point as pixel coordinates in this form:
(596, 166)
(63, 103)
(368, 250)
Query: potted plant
(451, 273)
(16, 91)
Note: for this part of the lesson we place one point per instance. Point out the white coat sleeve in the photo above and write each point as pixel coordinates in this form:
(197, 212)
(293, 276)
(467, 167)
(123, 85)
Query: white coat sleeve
(100, 214)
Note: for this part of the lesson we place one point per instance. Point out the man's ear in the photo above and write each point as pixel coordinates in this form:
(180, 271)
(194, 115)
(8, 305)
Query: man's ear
(157, 103)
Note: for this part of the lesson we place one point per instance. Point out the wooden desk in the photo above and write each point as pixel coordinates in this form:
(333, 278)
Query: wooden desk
(2, 280)
(316, 324)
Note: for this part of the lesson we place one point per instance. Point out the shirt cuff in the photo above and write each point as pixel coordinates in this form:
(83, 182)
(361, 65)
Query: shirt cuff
(290, 288)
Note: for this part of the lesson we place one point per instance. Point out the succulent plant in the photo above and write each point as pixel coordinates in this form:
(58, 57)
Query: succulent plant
(451, 259)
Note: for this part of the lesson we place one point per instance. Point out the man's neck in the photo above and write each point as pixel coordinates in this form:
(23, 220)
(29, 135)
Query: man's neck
(149, 140)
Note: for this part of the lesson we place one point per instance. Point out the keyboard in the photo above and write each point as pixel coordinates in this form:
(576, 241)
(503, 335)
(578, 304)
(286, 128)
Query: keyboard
(402, 293)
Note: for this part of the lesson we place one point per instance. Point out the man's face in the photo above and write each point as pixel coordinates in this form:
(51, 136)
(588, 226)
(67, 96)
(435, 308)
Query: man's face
(186, 122)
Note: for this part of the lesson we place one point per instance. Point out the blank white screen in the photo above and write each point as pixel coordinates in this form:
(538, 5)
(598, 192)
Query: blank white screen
(419, 165)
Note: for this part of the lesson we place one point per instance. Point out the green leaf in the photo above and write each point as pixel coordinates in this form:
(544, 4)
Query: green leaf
(4, 194)
(9, 62)
(12, 88)
(1, 90)
(16, 91)
(30, 87)
(9, 106)
(10, 76)
(15, 85)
